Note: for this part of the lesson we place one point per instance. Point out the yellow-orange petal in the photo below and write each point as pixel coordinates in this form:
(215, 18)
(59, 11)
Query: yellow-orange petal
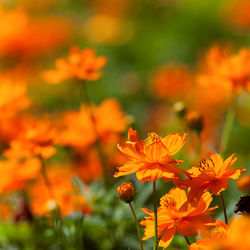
(167, 237)
(174, 142)
(127, 169)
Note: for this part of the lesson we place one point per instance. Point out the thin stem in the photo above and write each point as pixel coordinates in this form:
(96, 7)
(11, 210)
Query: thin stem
(137, 226)
(85, 96)
(224, 208)
(46, 179)
(227, 129)
(199, 146)
(155, 215)
(187, 240)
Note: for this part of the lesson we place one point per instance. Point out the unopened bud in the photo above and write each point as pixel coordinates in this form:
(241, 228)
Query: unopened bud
(180, 109)
(194, 121)
(244, 183)
(126, 192)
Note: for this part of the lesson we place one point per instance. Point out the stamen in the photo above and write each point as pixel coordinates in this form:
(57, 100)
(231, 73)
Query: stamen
(168, 201)
(206, 165)
(152, 138)
(219, 233)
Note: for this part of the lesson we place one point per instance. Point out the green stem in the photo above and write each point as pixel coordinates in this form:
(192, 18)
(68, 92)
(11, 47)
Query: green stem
(199, 146)
(155, 216)
(187, 240)
(46, 179)
(137, 226)
(227, 129)
(102, 158)
(224, 208)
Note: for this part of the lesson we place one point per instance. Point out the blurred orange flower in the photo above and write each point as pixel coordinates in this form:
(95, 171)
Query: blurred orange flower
(78, 130)
(80, 64)
(10, 129)
(62, 195)
(87, 167)
(224, 237)
(171, 82)
(36, 139)
(22, 37)
(237, 13)
(177, 213)
(212, 174)
(152, 159)
(225, 68)
(5, 211)
(15, 174)
(244, 183)
(13, 97)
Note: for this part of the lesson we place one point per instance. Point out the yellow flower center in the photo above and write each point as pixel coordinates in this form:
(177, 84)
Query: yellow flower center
(152, 138)
(168, 201)
(219, 233)
(206, 165)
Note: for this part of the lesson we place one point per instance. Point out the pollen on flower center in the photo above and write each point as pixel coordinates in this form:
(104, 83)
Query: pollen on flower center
(219, 233)
(168, 201)
(152, 138)
(206, 165)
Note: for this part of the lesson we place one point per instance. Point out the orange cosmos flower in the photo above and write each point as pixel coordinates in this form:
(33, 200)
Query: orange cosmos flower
(80, 64)
(213, 237)
(15, 174)
(226, 68)
(12, 97)
(212, 174)
(78, 130)
(152, 159)
(177, 213)
(244, 183)
(36, 139)
(234, 236)
(10, 129)
(87, 166)
(237, 13)
(171, 82)
(23, 38)
(62, 195)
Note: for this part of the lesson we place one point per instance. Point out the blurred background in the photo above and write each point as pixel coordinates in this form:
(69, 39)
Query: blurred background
(157, 51)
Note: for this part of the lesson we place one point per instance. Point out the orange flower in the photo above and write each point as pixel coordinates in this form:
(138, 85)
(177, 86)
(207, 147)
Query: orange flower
(237, 13)
(152, 159)
(244, 183)
(177, 213)
(36, 139)
(87, 166)
(224, 68)
(79, 132)
(224, 237)
(12, 97)
(62, 195)
(212, 174)
(171, 82)
(10, 129)
(23, 38)
(80, 64)
(15, 174)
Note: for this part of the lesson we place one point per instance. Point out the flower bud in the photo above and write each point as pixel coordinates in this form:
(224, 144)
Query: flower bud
(194, 121)
(180, 109)
(244, 183)
(126, 192)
